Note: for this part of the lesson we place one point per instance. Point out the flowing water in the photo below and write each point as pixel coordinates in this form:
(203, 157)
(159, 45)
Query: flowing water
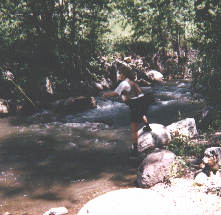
(49, 160)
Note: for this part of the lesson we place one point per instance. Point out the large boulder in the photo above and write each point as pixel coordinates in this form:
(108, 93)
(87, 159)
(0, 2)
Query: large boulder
(185, 127)
(128, 202)
(73, 105)
(157, 138)
(154, 76)
(161, 136)
(180, 199)
(155, 168)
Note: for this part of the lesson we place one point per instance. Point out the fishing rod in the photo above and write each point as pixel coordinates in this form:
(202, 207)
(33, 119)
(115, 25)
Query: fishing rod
(10, 76)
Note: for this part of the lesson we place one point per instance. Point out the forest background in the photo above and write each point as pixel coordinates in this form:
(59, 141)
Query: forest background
(64, 40)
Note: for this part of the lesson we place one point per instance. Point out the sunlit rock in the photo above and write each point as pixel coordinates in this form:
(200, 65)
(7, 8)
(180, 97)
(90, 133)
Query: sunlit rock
(211, 182)
(105, 84)
(3, 109)
(157, 138)
(185, 127)
(200, 179)
(57, 211)
(128, 202)
(155, 76)
(128, 59)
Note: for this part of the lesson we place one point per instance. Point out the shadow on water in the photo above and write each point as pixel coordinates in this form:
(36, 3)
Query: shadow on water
(32, 161)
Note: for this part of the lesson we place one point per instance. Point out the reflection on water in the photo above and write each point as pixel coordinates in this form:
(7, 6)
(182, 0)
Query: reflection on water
(41, 153)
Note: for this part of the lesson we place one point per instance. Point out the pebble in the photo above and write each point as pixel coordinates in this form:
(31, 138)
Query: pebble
(57, 211)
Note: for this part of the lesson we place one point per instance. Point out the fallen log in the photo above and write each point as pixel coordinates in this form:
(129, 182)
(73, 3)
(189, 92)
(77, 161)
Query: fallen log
(74, 105)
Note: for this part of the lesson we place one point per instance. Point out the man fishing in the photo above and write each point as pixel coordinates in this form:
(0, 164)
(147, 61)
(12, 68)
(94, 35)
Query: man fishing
(131, 94)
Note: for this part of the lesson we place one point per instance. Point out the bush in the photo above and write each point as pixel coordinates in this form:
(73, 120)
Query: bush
(181, 146)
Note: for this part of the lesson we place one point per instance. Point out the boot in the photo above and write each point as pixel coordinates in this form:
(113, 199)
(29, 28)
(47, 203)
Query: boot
(147, 128)
(134, 154)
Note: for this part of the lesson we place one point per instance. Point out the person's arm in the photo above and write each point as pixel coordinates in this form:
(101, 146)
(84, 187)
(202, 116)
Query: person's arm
(111, 94)
(124, 85)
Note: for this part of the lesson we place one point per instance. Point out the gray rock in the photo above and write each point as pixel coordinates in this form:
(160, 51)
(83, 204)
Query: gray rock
(155, 168)
(157, 138)
(200, 179)
(185, 127)
(154, 75)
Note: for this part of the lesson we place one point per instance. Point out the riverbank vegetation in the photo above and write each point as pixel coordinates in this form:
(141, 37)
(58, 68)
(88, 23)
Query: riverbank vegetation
(63, 41)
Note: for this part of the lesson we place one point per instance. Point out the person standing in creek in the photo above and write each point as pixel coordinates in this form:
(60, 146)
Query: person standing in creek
(131, 94)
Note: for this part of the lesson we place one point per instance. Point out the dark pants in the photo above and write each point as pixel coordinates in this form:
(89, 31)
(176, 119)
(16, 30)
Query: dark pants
(138, 108)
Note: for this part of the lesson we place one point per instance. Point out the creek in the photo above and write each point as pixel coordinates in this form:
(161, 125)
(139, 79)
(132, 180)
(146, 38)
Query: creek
(52, 160)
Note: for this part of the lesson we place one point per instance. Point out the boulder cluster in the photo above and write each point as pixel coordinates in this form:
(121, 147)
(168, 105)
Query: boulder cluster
(156, 161)
(156, 165)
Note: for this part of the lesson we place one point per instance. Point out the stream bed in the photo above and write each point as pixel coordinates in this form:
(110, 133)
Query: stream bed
(51, 160)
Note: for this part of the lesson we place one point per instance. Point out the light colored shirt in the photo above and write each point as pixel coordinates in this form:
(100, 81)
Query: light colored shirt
(124, 85)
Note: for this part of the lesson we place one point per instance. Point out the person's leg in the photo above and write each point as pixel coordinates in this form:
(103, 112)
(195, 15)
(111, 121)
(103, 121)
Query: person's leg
(136, 116)
(134, 131)
(145, 119)
(147, 126)
(143, 106)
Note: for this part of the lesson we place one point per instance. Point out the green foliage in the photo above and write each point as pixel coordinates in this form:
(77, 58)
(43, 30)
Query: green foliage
(168, 23)
(64, 38)
(216, 124)
(179, 168)
(208, 75)
(181, 146)
(55, 38)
